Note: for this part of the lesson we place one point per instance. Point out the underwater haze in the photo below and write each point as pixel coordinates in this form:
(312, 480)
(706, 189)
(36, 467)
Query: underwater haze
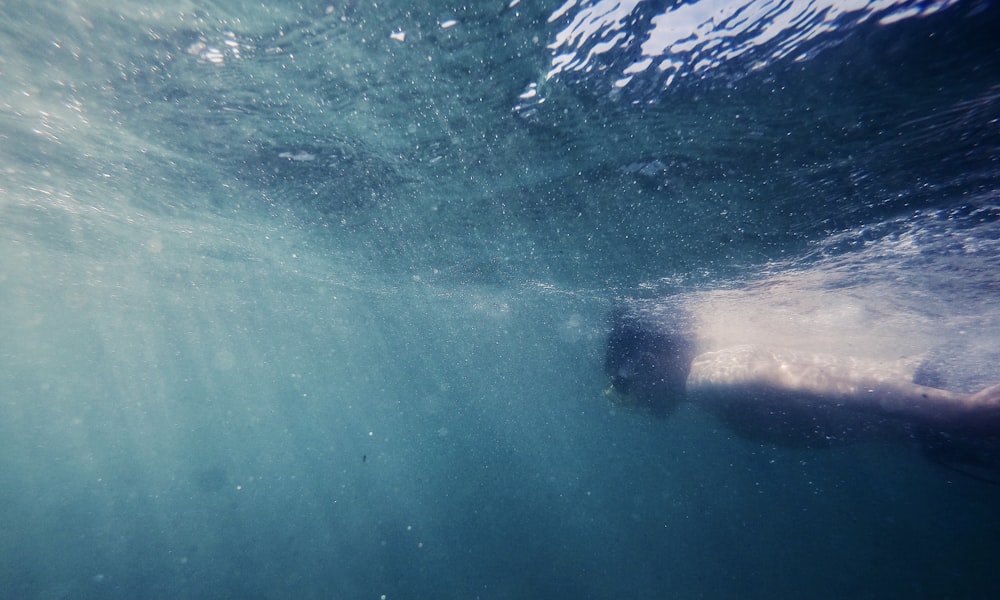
(310, 299)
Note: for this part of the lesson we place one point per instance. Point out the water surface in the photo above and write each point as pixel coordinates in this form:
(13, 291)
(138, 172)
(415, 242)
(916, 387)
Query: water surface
(309, 300)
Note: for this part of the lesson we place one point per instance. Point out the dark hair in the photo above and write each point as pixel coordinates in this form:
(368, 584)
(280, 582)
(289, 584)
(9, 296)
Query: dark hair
(648, 359)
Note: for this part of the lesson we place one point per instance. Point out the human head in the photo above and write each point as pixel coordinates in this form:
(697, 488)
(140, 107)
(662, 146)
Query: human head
(648, 359)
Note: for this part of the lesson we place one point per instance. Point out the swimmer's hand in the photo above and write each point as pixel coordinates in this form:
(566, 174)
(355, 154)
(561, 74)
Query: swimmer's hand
(987, 399)
(977, 414)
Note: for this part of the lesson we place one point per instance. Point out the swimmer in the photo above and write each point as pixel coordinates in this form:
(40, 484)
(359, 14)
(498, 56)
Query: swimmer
(786, 395)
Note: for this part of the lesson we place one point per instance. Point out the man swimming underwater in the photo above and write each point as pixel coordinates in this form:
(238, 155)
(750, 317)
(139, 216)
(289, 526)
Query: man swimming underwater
(787, 395)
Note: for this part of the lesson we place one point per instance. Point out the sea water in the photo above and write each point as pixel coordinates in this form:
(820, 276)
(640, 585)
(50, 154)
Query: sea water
(309, 300)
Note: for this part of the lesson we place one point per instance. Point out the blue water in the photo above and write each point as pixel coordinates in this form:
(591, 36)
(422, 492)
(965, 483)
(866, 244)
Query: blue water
(309, 300)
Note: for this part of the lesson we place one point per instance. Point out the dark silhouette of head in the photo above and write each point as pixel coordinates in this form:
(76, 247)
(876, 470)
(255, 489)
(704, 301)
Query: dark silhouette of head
(648, 360)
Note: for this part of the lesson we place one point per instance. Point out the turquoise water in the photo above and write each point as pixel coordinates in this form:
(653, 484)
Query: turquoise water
(310, 300)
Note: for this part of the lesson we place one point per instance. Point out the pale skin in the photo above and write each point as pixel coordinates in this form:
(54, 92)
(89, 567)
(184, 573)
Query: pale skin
(791, 363)
(763, 382)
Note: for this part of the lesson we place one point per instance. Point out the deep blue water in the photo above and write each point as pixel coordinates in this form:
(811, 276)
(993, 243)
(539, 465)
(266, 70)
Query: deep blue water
(309, 300)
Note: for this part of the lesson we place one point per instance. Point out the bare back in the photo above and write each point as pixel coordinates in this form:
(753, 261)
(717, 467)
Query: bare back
(789, 394)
